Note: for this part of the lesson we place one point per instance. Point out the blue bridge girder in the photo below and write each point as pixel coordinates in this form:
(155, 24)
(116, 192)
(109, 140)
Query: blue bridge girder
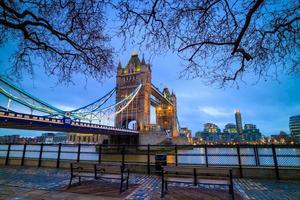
(159, 96)
(16, 120)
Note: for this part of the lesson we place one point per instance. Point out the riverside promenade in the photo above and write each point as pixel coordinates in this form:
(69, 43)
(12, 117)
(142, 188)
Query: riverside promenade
(48, 183)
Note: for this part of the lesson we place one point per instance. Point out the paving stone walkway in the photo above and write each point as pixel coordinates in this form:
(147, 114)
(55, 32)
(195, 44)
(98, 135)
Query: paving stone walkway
(268, 189)
(45, 183)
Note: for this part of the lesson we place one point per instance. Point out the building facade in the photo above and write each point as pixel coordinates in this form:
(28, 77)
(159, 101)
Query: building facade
(294, 125)
(211, 133)
(87, 138)
(230, 133)
(238, 120)
(251, 133)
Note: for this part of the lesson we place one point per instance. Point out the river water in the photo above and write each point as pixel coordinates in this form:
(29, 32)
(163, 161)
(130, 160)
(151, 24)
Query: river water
(216, 155)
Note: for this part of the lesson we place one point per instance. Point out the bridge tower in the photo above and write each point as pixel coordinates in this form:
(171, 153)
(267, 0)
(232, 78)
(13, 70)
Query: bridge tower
(166, 114)
(137, 113)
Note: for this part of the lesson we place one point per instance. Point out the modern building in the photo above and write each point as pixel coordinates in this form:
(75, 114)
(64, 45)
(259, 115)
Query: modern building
(251, 133)
(295, 127)
(211, 133)
(249, 126)
(230, 133)
(47, 137)
(52, 138)
(60, 137)
(238, 121)
(211, 128)
(230, 128)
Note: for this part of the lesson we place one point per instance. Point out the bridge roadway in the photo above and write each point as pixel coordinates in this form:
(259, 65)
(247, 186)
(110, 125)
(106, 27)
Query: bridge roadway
(33, 122)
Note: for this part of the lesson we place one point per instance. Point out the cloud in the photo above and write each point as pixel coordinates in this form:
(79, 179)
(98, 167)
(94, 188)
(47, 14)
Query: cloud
(215, 112)
(190, 94)
(64, 107)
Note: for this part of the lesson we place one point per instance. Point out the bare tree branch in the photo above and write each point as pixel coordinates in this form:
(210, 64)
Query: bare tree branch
(222, 39)
(66, 35)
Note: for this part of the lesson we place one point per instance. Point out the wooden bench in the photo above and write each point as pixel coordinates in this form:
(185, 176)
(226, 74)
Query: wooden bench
(100, 171)
(195, 176)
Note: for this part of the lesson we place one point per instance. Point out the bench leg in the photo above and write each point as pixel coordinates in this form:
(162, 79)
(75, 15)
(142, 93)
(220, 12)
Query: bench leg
(127, 183)
(162, 189)
(166, 185)
(70, 183)
(79, 177)
(121, 186)
(231, 191)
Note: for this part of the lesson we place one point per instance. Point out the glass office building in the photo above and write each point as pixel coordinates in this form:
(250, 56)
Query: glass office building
(295, 127)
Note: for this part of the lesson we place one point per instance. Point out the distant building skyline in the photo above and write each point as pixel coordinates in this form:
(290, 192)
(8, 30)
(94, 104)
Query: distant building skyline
(230, 127)
(232, 132)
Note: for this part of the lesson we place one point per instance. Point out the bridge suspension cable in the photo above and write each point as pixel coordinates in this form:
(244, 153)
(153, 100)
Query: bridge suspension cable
(109, 111)
(18, 95)
(93, 106)
(177, 122)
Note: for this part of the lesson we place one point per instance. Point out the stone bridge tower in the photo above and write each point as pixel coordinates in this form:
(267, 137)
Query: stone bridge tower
(128, 78)
(166, 114)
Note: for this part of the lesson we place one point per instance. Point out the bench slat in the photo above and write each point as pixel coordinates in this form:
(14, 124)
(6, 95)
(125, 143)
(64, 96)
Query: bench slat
(109, 176)
(213, 182)
(174, 169)
(196, 175)
(199, 171)
(179, 180)
(225, 172)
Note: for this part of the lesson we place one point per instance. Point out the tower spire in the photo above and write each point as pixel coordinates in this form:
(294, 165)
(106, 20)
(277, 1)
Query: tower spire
(134, 53)
(119, 65)
(143, 60)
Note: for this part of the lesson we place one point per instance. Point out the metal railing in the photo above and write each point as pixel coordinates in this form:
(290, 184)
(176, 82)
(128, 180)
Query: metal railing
(237, 156)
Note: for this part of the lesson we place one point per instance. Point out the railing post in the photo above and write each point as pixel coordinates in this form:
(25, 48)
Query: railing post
(41, 153)
(205, 153)
(100, 153)
(240, 161)
(275, 162)
(23, 155)
(78, 152)
(58, 155)
(7, 154)
(123, 155)
(257, 162)
(148, 159)
(176, 157)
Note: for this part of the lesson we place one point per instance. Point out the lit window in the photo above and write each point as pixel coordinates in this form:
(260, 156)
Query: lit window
(138, 68)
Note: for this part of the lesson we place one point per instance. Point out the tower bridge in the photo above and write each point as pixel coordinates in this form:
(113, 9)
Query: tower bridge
(134, 95)
(138, 72)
